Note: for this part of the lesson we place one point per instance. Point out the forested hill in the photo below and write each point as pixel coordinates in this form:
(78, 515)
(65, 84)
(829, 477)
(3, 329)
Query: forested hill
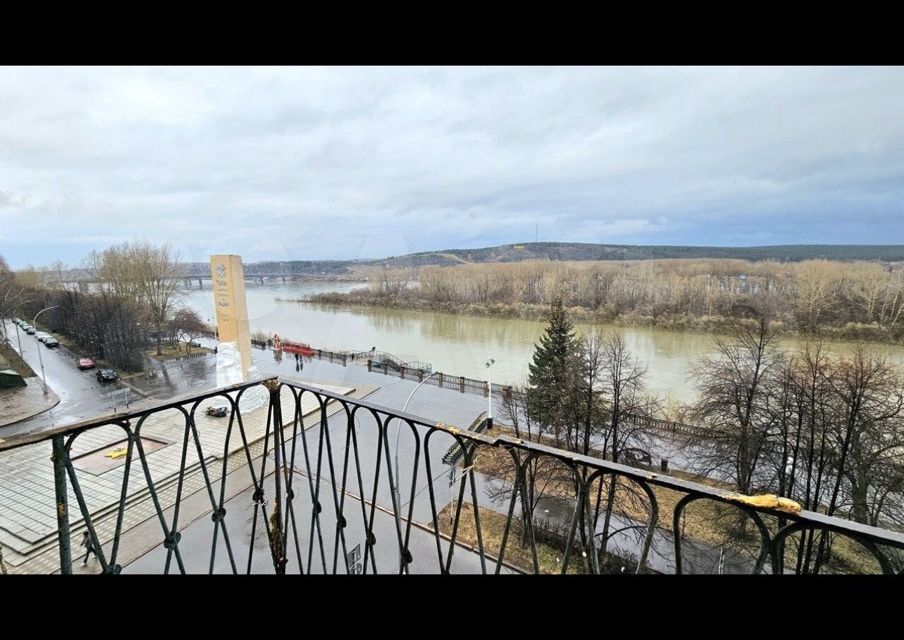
(578, 251)
(585, 251)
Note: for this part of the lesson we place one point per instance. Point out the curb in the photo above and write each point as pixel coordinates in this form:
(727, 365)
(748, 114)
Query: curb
(143, 394)
(36, 413)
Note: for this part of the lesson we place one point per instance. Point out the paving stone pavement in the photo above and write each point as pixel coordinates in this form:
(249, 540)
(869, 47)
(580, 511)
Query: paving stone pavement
(27, 502)
(25, 402)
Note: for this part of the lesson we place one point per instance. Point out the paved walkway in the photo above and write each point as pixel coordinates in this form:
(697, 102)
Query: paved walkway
(197, 547)
(27, 502)
(25, 402)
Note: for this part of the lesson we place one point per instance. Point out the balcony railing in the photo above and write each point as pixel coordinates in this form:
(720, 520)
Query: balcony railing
(303, 479)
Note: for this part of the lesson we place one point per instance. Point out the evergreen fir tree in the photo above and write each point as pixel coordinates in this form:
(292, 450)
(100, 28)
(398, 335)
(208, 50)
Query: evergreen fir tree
(549, 377)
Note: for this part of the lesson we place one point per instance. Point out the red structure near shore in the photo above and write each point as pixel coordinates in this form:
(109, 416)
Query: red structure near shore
(297, 347)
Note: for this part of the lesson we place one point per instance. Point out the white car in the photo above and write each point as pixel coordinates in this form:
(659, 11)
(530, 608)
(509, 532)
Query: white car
(42, 335)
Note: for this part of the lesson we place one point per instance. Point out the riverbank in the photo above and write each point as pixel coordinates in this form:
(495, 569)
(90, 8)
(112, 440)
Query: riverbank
(461, 343)
(852, 331)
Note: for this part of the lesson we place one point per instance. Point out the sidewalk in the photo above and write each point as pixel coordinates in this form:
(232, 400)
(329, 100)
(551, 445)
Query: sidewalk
(25, 402)
(27, 503)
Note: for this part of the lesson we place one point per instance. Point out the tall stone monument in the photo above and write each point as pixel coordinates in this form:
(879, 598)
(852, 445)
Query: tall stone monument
(234, 349)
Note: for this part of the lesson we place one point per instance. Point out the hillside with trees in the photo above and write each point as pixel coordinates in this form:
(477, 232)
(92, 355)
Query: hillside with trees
(568, 251)
(576, 251)
(361, 269)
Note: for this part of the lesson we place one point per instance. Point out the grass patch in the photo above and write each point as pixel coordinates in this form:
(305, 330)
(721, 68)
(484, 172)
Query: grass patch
(492, 527)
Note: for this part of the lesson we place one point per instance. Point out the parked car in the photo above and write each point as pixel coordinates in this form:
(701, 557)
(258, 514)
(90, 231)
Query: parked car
(42, 336)
(85, 363)
(30, 330)
(106, 375)
(52, 342)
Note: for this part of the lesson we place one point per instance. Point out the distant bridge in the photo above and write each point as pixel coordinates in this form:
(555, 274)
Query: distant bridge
(190, 280)
(253, 277)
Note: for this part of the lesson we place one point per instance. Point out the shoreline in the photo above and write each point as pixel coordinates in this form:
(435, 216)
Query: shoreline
(705, 325)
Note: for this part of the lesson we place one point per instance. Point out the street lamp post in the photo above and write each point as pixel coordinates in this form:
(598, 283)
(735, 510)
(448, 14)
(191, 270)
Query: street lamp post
(489, 363)
(38, 346)
(398, 500)
(19, 340)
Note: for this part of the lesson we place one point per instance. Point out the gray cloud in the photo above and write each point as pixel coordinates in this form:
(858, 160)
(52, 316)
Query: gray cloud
(313, 163)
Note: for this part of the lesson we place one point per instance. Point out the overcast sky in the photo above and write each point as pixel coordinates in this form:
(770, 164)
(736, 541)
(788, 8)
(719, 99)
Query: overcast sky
(316, 163)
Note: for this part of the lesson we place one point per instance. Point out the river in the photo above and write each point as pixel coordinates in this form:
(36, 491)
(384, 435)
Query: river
(460, 344)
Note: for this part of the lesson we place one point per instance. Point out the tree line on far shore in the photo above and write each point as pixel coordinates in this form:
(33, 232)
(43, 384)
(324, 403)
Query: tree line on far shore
(860, 300)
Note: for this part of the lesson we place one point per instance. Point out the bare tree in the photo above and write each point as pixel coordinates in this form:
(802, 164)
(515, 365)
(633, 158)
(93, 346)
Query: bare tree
(389, 283)
(12, 294)
(145, 274)
(869, 433)
(816, 287)
(30, 278)
(186, 326)
(856, 299)
(596, 408)
(54, 277)
(733, 403)
(800, 451)
(534, 475)
(622, 380)
(102, 324)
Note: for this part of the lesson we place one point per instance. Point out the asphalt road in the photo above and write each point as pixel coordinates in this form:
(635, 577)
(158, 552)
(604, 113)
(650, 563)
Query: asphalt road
(81, 395)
